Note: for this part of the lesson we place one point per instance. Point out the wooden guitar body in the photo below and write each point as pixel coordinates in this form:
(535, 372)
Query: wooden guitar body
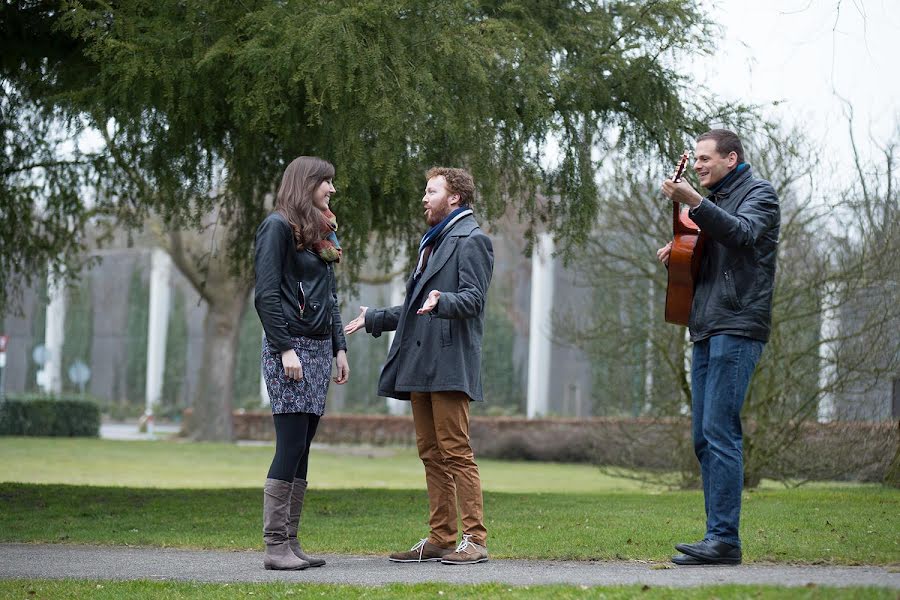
(684, 266)
(684, 260)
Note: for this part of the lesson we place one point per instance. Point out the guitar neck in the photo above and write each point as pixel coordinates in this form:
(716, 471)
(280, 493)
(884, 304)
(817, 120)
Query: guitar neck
(677, 226)
(681, 225)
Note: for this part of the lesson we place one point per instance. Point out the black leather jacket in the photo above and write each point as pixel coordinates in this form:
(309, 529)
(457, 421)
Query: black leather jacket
(287, 280)
(733, 293)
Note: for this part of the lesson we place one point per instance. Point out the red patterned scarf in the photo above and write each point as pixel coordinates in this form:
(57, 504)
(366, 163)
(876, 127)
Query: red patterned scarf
(328, 247)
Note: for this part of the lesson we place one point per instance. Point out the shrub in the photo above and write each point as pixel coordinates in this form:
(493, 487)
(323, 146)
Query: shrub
(537, 445)
(48, 416)
(852, 451)
(658, 449)
(121, 411)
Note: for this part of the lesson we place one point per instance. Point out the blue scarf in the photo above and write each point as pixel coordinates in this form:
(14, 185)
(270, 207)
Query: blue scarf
(722, 183)
(432, 236)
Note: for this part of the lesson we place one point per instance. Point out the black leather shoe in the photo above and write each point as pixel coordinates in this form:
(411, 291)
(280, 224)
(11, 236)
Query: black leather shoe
(712, 552)
(686, 560)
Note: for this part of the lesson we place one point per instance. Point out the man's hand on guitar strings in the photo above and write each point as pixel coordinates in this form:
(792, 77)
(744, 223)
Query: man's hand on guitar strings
(681, 192)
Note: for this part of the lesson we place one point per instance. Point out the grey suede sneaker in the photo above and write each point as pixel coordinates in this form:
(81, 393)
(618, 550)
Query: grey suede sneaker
(467, 553)
(424, 551)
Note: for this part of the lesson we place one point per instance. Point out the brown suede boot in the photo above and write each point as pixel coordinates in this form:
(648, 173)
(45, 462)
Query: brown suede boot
(299, 491)
(276, 507)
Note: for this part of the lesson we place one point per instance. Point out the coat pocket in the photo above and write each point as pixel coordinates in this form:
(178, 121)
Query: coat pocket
(731, 291)
(446, 338)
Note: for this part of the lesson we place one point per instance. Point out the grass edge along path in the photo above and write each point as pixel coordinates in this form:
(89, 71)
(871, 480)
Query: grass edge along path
(114, 590)
(803, 526)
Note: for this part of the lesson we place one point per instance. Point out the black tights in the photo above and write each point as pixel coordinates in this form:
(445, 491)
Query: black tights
(294, 434)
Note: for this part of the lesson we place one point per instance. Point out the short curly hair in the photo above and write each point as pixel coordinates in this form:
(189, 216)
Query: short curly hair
(459, 181)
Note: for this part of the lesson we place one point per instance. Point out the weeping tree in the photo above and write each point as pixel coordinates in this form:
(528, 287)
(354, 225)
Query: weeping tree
(200, 105)
(42, 215)
(836, 254)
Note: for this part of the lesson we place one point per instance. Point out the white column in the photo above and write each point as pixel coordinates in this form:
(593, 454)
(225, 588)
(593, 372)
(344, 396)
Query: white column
(648, 349)
(540, 326)
(157, 328)
(54, 333)
(398, 295)
(828, 330)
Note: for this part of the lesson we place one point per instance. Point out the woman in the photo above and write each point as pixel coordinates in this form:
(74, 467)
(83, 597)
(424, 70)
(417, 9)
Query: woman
(296, 299)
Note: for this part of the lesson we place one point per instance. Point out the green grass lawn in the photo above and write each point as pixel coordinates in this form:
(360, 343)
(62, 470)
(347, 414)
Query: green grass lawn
(114, 590)
(163, 494)
(196, 465)
(810, 526)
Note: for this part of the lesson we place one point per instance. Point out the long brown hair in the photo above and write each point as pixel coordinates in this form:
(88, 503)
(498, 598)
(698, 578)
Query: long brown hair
(295, 195)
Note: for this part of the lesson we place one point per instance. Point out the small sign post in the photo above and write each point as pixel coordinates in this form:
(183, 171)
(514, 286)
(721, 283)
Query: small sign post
(79, 374)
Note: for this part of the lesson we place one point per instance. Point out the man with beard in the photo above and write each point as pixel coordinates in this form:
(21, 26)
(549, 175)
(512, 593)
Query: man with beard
(435, 363)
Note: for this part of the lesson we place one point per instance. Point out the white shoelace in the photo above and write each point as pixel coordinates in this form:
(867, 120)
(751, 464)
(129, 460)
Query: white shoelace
(465, 543)
(420, 547)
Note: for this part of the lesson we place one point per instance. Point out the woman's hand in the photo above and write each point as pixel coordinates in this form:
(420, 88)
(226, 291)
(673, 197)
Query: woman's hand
(291, 363)
(357, 323)
(343, 367)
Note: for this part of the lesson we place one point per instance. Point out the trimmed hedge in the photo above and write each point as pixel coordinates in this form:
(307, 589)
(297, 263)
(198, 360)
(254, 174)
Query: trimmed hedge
(47, 416)
(852, 451)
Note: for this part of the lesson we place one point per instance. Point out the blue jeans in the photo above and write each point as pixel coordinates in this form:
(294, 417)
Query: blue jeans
(721, 368)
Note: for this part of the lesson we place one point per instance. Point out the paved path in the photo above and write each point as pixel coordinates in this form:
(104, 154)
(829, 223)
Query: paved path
(129, 431)
(116, 562)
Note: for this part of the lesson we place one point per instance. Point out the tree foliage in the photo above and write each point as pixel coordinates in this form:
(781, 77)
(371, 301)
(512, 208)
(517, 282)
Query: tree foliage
(136, 334)
(79, 332)
(41, 212)
(504, 388)
(173, 396)
(201, 104)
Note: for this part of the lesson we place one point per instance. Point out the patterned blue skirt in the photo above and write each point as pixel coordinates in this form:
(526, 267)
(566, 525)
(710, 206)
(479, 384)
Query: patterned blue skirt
(308, 394)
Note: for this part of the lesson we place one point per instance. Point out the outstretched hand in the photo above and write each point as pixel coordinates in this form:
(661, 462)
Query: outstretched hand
(430, 303)
(357, 323)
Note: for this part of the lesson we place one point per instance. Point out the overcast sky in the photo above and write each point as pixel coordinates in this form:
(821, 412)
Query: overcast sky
(806, 53)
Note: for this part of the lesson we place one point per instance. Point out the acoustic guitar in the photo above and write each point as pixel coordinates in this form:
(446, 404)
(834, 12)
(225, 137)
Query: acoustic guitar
(684, 259)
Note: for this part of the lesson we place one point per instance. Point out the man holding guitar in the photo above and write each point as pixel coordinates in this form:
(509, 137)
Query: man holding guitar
(729, 325)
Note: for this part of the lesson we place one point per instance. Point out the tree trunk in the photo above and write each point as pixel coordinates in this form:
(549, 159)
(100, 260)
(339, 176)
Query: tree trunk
(200, 258)
(213, 403)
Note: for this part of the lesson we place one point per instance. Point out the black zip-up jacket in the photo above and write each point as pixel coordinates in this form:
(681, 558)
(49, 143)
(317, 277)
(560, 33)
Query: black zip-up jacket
(733, 293)
(296, 293)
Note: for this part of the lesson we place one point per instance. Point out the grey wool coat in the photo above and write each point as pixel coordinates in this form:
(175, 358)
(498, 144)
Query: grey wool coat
(441, 351)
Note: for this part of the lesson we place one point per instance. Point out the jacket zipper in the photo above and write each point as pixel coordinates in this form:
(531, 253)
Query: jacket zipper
(301, 298)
